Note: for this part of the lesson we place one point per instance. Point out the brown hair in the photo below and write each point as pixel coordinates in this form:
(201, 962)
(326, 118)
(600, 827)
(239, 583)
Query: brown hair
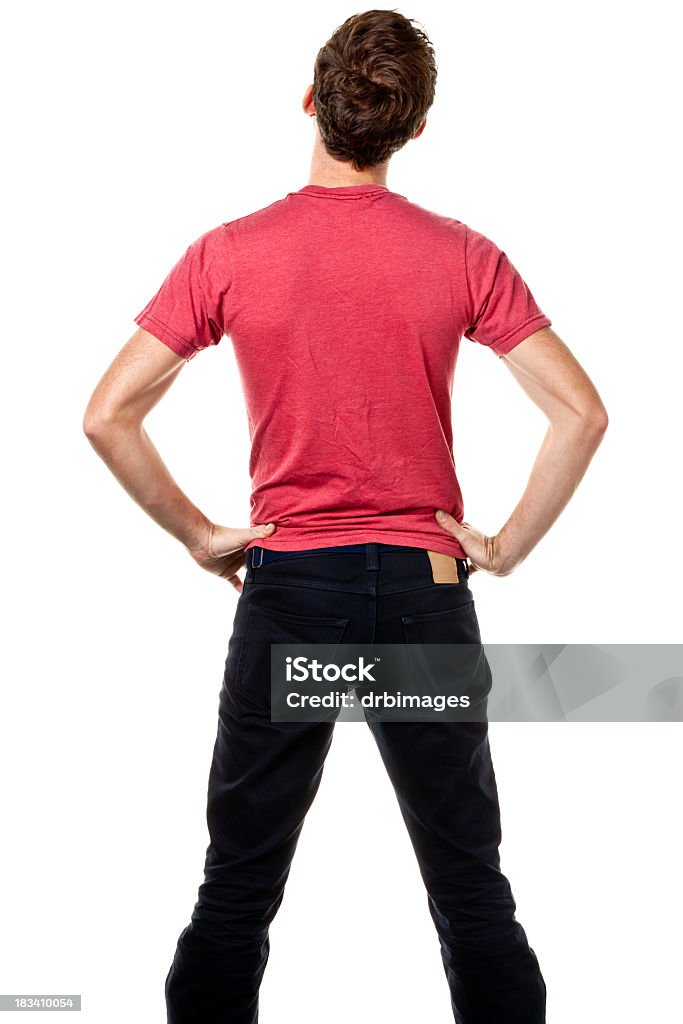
(373, 83)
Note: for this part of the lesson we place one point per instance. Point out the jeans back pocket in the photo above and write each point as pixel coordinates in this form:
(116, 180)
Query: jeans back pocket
(250, 672)
(445, 658)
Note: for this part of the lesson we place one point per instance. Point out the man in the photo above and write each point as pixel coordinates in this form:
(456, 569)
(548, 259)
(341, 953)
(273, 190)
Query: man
(346, 303)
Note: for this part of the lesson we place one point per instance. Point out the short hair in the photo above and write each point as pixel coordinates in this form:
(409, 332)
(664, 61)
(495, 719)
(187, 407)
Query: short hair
(373, 83)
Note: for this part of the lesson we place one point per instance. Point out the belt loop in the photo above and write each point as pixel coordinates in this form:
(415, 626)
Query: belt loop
(372, 556)
(256, 550)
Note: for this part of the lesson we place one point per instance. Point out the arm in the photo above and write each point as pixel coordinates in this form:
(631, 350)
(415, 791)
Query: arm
(553, 379)
(138, 378)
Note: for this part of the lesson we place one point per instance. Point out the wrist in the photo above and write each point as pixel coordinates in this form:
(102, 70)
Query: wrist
(198, 539)
(506, 559)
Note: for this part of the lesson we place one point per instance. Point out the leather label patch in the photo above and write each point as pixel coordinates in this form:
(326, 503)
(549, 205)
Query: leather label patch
(444, 567)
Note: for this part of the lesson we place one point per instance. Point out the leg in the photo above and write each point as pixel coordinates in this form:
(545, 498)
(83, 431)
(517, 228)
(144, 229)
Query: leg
(445, 784)
(262, 781)
(444, 780)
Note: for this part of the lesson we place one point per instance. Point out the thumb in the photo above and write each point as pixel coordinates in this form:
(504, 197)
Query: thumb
(262, 530)
(448, 523)
(241, 536)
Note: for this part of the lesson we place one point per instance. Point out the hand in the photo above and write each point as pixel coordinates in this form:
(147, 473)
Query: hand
(221, 550)
(483, 552)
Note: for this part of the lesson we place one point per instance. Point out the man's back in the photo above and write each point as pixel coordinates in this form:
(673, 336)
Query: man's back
(346, 304)
(345, 307)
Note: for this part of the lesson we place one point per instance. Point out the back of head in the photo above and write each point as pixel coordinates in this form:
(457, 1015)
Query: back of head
(373, 83)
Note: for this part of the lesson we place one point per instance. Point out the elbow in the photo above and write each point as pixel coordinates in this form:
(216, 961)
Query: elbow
(586, 426)
(91, 426)
(94, 422)
(597, 419)
(99, 423)
(594, 422)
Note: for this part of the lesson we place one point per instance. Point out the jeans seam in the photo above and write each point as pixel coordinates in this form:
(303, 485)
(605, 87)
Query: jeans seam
(293, 581)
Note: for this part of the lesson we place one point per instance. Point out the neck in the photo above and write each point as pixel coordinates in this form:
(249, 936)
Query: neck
(331, 173)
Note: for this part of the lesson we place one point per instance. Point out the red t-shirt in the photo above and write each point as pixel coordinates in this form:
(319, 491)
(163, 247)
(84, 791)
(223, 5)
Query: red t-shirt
(345, 307)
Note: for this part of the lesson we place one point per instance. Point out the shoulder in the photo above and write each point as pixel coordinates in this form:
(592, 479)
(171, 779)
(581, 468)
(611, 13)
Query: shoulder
(264, 216)
(429, 220)
(215, 239)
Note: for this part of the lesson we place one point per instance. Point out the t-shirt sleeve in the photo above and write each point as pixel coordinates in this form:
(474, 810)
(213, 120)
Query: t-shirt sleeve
(502, 311)
(187, 313)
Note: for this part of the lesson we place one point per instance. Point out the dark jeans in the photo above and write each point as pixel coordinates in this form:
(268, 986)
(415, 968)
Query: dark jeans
(264, 776)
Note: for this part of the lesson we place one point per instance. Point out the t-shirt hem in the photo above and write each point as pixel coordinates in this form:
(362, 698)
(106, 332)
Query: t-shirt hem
(165, 335)
(311, 541)
(508, 341)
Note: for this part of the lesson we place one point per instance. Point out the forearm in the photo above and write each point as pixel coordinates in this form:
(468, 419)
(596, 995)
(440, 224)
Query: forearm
(127, 450)
(562, 461)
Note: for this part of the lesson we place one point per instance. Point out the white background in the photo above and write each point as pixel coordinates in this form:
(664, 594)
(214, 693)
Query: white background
(132, 129)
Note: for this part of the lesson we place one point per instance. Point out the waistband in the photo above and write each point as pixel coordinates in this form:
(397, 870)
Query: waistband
(258, 556)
